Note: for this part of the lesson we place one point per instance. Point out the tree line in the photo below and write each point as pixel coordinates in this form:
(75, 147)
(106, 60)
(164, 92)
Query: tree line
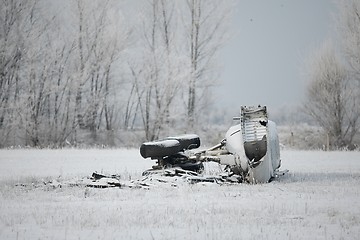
(74, 68)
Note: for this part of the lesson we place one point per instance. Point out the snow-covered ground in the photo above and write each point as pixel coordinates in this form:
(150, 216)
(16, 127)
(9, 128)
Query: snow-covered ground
(318, 199)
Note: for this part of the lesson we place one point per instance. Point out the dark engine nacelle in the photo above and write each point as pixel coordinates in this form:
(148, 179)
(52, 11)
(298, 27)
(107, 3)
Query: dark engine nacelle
(169, 146)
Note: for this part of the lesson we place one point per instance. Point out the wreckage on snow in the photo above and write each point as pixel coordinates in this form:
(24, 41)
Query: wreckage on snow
(250, 149)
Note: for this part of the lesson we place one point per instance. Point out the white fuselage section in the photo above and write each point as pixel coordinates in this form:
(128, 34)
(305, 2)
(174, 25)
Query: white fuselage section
(235, 139)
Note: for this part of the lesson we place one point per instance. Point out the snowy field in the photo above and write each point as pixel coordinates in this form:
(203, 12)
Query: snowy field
(318, 199)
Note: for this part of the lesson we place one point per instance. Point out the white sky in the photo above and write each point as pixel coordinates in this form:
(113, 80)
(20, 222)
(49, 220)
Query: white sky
(263, 63)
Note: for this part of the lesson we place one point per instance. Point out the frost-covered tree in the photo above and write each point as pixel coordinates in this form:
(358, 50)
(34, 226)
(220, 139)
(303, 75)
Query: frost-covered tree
(57, 70)
(159, 71)
(349, 26)
(333, 95)
(63, 73)
(20, 34)
(98, 43)
(331, 98)
(179, 42)
(205, 31)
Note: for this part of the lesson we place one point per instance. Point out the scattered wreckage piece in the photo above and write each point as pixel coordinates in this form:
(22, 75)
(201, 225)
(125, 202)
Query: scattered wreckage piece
(162, 177)
(103, 181)
(95, 181)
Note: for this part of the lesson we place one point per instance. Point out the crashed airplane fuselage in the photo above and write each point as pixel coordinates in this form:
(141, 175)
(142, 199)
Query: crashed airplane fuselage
(250, 149)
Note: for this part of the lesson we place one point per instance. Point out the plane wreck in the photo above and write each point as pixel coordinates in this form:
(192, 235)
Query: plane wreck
(250, 150)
